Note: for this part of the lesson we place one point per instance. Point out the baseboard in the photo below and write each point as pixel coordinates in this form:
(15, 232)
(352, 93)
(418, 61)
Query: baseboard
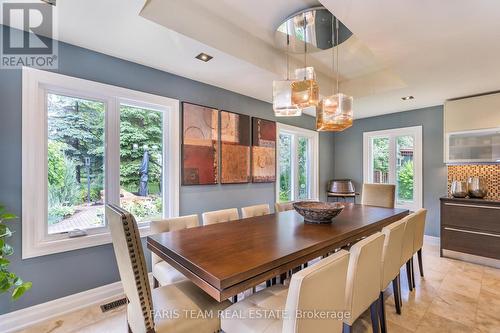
(495, 263)
(17, 320)
(432, 240)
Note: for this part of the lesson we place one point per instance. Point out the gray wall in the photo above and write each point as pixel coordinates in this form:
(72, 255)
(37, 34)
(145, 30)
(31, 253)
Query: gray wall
(348, 161)
(63, 274)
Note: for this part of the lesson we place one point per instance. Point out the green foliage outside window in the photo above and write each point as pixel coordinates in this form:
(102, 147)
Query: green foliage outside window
(405, 181)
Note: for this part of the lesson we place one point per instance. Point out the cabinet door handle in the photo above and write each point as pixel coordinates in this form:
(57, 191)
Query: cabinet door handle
(472, 206)
(472, 232)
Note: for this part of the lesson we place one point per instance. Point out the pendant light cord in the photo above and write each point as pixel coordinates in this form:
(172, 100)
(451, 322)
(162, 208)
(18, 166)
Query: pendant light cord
(287, 54)
(337, 42)
(305, 46)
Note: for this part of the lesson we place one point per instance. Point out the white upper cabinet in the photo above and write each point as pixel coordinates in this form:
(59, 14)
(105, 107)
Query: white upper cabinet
(472, 129)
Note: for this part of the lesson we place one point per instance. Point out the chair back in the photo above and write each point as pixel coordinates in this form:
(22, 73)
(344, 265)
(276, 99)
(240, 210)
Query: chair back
(172, 224)
(132, 267)
(318, 287)
(381, 195)
(283, 206)
(218, 216)
(363, 276)
(391, 253)
(418, 238)
(411, 224)
(257, 210)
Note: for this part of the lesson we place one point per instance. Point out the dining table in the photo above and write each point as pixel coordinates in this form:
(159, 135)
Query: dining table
(227, 258)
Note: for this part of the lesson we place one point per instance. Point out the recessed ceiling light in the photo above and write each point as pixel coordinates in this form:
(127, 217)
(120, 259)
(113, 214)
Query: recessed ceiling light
(406, 98)
(204, 57)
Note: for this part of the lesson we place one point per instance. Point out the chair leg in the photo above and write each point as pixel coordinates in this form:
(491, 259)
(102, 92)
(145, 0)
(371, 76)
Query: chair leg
(397, 294)
(408, 275)
(273, 281)
(374, 316)
(268, 283)
(420, 263)
(129, 329)
(235, 299)
(412, 273)
(346, 328)
(156, 284)
(383, 325)
(305, 265)
(282, 278)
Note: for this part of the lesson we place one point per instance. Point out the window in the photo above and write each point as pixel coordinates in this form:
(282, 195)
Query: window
(297, 164)
(86, 144)
(395, 157)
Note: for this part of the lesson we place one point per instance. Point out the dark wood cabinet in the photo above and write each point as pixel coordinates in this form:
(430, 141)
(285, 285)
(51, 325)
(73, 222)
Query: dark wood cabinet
(471, 226)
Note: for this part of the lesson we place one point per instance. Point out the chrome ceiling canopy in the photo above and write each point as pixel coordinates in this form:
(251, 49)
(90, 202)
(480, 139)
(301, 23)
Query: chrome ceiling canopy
(318, 34)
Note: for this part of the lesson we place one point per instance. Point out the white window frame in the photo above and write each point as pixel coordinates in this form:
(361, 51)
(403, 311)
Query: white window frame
(416, 132)
(313, 150)
(36, 84)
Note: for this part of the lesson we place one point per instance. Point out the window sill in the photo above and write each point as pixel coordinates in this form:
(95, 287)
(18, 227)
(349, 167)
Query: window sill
(52, 246)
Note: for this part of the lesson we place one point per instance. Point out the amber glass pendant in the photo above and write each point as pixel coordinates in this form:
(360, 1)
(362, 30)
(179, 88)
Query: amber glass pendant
(282, 99)
(305, 90)
(334, 113)
(305, 93)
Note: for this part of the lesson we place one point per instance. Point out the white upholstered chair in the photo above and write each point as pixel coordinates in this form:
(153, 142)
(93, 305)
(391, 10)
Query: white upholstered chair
(364, 279)
(150, 311)
(283, 206)
(257, 210)
(382, 195)
(219, 216)
(418, 238)
(407, 251)
(319, 287)
(163, 272)
(391, 263)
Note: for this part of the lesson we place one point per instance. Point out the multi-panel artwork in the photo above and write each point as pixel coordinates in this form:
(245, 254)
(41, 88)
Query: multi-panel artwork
(235, 148)
(263, 151)
(204, 129)
(200, 143)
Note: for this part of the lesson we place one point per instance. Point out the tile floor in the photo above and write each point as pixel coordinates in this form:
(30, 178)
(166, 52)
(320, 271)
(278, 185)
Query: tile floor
(454, 296)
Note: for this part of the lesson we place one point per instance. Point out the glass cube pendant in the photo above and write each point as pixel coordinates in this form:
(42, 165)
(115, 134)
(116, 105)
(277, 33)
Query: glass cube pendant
(305, 93)
(282, 100)
(334, 113)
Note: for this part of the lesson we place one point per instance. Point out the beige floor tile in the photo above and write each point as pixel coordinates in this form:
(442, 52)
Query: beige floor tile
(463, 281)
(454, 306)
(432, 323)
(491, 282)
(488, 321)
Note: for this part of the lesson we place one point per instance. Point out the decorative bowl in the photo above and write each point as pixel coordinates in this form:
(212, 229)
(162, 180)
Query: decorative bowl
(318, 212)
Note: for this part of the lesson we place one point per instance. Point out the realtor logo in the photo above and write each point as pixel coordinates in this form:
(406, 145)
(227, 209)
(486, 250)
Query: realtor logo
(28, 35)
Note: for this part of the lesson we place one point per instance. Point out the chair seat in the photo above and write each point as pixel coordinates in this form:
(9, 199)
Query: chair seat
(247, 315)
(166, 274)
(181, 307)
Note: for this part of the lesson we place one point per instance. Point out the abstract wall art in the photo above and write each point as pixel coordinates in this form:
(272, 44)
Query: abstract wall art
(235, 148)
(263, 151)
(199, 145)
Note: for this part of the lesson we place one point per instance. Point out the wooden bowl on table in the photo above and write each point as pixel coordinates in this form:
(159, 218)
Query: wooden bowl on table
(318, 212)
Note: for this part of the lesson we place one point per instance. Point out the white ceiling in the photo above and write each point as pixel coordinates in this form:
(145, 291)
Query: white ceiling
(433, 50)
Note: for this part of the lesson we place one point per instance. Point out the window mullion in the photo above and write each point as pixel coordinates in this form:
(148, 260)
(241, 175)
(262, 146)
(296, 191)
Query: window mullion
(112, 139)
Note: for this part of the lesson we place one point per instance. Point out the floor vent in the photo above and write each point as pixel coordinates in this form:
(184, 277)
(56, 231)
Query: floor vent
(113, 305)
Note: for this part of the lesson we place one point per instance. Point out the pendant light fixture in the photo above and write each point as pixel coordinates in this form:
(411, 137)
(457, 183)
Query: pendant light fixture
(282, 92)
(305, 91)
(335, 113)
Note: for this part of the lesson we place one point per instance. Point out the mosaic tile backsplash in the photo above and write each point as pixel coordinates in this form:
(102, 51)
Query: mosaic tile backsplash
(490, 172)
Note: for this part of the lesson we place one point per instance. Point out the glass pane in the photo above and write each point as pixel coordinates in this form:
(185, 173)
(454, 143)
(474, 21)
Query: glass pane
(75, 169)
(303, 159)
(405, 169)
(141, 162)
(380, 155)
(476, 146)
(285, 165)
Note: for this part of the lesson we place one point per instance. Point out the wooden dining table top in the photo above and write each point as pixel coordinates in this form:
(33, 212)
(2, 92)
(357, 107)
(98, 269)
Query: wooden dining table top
(227, 258)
